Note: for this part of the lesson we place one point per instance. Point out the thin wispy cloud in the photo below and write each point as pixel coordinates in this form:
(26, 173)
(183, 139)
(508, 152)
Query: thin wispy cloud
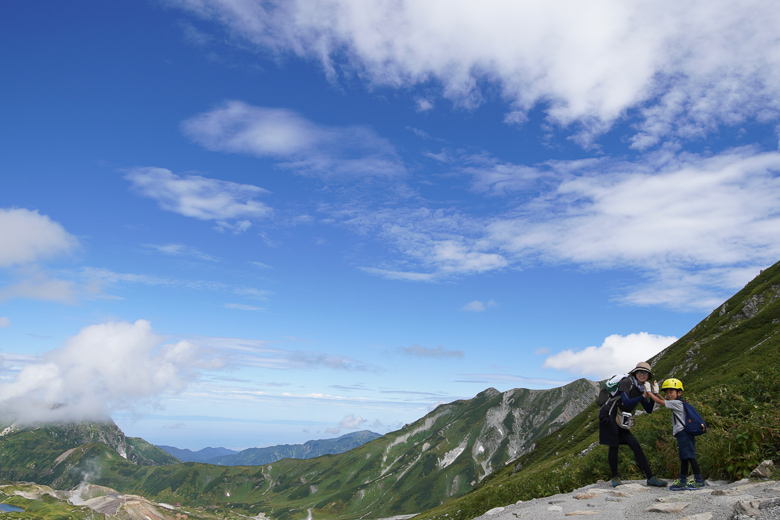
(232, 206)
(175, 249)
(297, 143)
(103, 279)
(694, 227)
(242, 307)
(437, 352)
(308, 359)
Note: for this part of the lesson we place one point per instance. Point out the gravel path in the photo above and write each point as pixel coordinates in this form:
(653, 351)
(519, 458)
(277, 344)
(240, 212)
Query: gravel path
(719, 500)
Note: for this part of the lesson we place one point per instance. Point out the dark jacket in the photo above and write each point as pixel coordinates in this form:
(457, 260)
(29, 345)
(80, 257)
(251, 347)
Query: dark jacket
(630, 396)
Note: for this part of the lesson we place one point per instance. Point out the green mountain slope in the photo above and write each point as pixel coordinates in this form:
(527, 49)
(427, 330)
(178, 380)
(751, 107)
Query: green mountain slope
(307, 450)
(729, 366)
(442, 455)
(43, 453)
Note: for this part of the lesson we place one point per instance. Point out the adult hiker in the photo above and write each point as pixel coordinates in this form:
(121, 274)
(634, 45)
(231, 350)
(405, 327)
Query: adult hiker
(631, 392)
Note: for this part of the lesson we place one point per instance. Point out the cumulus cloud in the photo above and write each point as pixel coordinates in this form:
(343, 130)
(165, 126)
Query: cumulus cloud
(104, 368)
(299, 144)
(230, 205)
(438, 352)
(29, 237)
(616, 354)
(682, 67)
(352, 422)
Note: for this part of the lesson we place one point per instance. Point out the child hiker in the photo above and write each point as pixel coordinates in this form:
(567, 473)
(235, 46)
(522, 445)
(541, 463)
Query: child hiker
(686, 443)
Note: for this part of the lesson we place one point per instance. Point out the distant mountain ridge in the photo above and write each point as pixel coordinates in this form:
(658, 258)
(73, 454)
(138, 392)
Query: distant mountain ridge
(307, 450)
(269, 454)
(203, 455)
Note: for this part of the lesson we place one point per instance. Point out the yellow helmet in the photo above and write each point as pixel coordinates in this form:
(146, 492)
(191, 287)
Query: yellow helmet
(673, 383)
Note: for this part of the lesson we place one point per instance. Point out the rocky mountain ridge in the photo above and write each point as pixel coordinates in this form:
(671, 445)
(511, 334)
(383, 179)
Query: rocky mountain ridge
(442, 455)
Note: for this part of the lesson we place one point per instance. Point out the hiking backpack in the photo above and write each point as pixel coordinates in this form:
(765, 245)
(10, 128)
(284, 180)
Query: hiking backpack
(610, 389)
(694, 424)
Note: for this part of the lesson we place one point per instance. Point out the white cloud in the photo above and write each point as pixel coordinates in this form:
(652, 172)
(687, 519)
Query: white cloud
(4, 321)
(616, 354)
(229, 204)
(684, 66)
(299, 144)
(352, 422)
(29, 237)
(478, 306)
(103, 368)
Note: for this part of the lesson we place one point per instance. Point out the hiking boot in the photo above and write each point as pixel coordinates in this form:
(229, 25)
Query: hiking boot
(679, 485)
(695, 484)
(652, 481)
(616, 482)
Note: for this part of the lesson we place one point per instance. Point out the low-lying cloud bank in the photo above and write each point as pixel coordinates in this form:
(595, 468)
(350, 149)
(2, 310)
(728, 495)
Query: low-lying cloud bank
(104, 368)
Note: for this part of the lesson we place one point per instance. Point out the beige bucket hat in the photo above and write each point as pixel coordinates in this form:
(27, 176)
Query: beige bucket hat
(642, 366)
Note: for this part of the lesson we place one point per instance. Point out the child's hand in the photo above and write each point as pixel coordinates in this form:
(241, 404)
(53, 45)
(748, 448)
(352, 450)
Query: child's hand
(655, 387)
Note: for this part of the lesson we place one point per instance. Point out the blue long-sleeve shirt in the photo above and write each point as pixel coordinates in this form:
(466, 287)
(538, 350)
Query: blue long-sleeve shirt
(629, 403)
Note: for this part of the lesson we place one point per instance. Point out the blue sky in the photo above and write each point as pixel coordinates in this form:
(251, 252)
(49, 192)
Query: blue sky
(241, 223)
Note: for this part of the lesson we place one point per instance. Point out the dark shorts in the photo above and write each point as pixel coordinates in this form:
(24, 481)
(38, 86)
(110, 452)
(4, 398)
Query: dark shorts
(686, 445)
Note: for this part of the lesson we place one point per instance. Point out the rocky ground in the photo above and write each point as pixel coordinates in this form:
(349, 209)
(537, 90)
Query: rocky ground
(719, 500)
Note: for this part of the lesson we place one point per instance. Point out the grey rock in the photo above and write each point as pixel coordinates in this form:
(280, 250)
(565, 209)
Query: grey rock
(763, 470)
